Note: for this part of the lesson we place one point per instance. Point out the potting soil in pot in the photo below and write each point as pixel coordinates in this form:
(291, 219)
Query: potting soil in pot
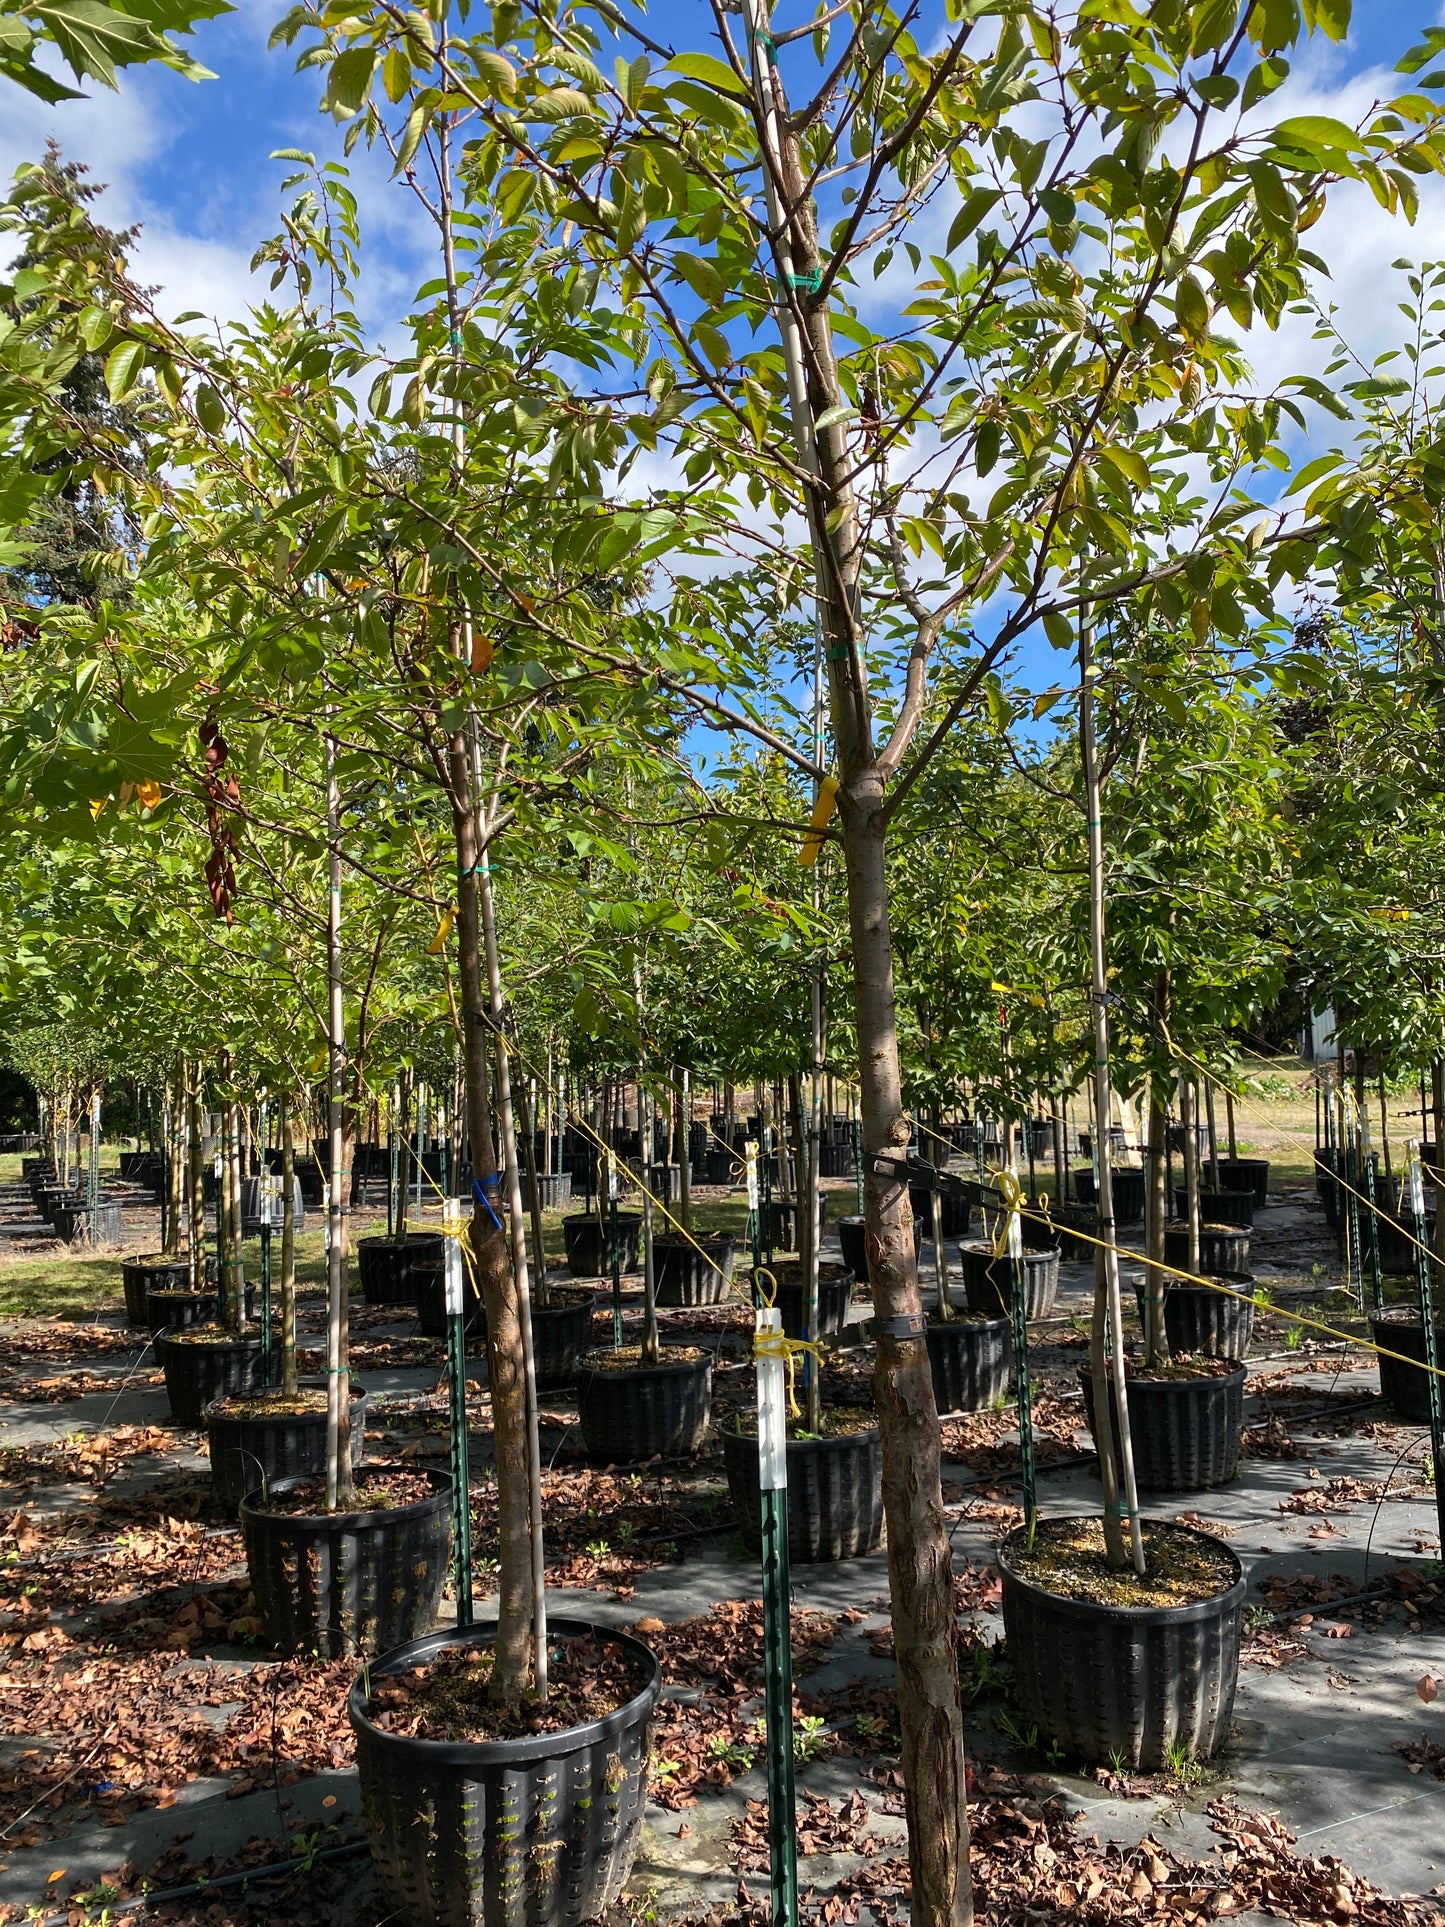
(381, 1488)
(1067, 1559)
(588, 1677)
(628, 1358)
(840, 1421)
(305, 1404)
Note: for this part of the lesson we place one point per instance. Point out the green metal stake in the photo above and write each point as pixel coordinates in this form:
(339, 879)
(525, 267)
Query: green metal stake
(614, 1252)
(858, 1161)
(767, 1178)
(393, 1145)
(457, 1408)
(221, 1279)
(93, 1188)
(1349, 1145)
(777, 1640)
(1023, 1393)
(268, 1199)
(1434, 1390)
(1377, 1283)
(755, 1229)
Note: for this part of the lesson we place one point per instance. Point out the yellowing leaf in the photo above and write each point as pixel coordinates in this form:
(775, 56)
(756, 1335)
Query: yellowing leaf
(444, 930)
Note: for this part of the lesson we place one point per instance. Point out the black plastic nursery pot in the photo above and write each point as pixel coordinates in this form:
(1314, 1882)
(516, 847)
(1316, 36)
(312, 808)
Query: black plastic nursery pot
(1405, 1386)
(1218, 1207)
(93, 1224)
(151, 1273)
(986, 1281)
(969, 1358)
(1128, 1192)
(1208, 1323)
(561, 1333)
(1223, 1249)
(535, 1832)
(1136, 1683)
(555, 1188)
(720, 1165)
(835, 1295)
(344, 1583)
(835, 1493)
(589, 1243)
(853, 1242)
(256, 1449)
(688, 1272)
(385, 1265)
(427, 1284)
(957, 1212)
(202, 1363)
(173, 1310)
(1185, 1431)
(1077, 1227)
(1246, 1174)
(1399, 1251)
(635, 1412)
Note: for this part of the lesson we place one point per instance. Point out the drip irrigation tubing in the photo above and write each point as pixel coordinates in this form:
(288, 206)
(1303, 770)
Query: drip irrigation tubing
(198, 1889)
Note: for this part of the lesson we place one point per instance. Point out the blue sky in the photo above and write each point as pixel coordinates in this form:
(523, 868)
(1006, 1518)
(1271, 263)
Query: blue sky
(190, 162)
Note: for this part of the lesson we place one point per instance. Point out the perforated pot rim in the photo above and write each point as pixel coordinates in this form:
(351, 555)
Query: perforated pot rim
(1142, 1616)
(477, 1754)
(319, 1523)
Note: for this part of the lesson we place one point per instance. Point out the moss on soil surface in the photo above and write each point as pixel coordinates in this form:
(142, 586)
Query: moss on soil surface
(1067, 1559)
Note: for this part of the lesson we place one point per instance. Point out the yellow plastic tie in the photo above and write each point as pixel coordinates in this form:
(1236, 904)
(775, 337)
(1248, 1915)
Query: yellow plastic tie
(1012, 1192)
(779, 1345)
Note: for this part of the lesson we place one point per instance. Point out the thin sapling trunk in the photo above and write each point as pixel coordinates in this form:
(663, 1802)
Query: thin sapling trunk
(290, 1388)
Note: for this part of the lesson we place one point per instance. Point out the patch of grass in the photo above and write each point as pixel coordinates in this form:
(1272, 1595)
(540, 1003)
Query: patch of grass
(60, 1287)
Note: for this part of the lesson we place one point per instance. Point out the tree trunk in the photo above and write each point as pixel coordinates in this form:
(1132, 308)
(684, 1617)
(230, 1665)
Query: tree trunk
(512, 1662)
(1191, 1167)
(195, 1150)
(289, 1386)
(920, 1566)
(173, 1138)
(1156, 1202)
(1108, 1326)
(231, 1173)
(684, 1107)
(338, 1384)
(1156, 1350)
(529, 1159)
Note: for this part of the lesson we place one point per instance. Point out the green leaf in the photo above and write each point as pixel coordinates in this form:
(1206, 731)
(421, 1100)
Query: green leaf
(975, 209)
(123, 368)
(1059, 629)
(1318, 133)
(349, 80)
(498, 72)
(712, 73)
(1211, 22)
(209, 409)
(1191, 307)
(1329, 17)
(96, 39)
(1312, 471)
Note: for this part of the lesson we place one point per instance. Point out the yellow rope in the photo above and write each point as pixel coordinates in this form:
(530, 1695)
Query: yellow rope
(1253, 1298)
(778, 1344)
